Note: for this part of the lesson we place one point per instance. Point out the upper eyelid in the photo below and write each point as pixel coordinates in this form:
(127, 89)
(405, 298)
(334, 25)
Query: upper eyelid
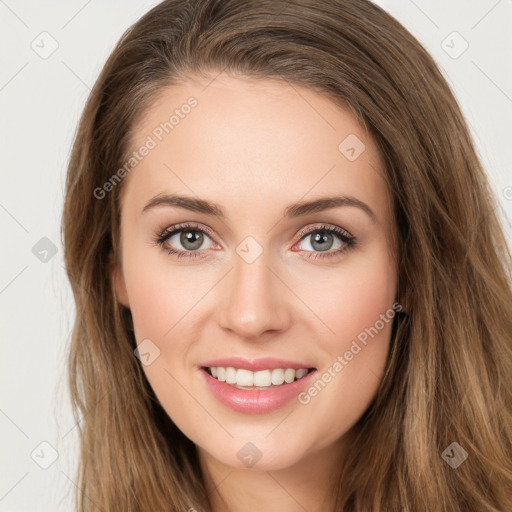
(184, 226)
(324, 226)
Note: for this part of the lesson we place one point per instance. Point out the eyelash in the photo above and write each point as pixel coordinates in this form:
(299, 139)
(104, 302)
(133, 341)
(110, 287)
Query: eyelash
(163, 236)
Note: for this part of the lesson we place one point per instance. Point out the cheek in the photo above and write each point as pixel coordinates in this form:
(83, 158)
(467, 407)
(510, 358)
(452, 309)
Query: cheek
(353, 297)
(150, 304)
(164, 302)
(357, 305)
(363, 296)
(160, 294)
(161, 304)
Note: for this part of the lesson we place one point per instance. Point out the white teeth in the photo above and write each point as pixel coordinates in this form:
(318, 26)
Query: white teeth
(230, 376)
(289, 375)
(277, 376)
(300, 373)
(261, 378)
(244, 378)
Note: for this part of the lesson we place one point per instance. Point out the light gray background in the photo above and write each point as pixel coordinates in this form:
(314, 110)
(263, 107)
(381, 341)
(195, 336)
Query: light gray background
(41, 100)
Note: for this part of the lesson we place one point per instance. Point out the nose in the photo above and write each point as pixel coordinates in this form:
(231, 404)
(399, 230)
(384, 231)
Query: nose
(253, 300)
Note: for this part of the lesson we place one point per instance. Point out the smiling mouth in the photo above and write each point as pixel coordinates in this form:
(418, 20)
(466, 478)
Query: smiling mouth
(259, 380)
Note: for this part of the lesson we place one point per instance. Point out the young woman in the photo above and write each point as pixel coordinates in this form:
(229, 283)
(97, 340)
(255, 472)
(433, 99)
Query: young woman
(292, 290)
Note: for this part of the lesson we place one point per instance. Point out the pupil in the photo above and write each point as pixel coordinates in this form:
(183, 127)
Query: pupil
(194, 238)
(320, 238)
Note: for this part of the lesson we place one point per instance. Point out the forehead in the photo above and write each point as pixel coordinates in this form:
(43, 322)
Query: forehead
(250, 143)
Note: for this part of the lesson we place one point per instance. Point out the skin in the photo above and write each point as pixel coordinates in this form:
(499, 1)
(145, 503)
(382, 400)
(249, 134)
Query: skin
(254, 147)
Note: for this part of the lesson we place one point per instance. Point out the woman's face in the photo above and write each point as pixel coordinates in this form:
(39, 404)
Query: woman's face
(267, 278)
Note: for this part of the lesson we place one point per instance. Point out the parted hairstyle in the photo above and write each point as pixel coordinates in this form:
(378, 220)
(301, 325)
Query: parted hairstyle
(449, 373)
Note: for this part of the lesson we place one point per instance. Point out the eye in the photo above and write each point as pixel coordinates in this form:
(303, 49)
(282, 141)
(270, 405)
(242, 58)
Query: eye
(323, 238)
(191, 237)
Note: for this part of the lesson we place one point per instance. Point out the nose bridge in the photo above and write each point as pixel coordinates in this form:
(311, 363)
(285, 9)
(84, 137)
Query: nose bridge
(254, 301)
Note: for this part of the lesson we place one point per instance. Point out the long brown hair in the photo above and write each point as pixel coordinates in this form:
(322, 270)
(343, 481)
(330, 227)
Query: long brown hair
(449, 377)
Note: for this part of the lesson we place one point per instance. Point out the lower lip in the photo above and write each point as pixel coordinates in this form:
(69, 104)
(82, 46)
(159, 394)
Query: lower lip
(255, 401)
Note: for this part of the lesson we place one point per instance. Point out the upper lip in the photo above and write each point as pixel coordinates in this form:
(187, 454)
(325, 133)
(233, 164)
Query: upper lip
(265, 363)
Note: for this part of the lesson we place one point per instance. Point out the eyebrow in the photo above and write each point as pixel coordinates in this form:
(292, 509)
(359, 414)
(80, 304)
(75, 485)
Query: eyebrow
(294, 210)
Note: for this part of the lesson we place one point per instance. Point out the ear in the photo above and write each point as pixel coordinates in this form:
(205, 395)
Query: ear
(117, 277)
